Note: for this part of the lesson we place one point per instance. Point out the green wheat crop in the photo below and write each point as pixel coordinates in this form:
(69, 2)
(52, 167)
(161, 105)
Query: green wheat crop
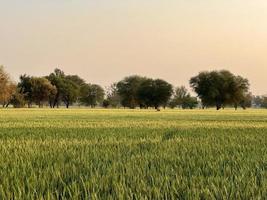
(133, 154)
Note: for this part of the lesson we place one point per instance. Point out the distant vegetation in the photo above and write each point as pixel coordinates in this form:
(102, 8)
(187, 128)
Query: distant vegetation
(215, 88)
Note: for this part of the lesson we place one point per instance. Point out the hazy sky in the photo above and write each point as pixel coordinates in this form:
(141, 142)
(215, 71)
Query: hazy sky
(105, 40)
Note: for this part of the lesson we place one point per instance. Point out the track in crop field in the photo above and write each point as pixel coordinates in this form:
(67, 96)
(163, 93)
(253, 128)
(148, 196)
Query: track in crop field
(125, 154)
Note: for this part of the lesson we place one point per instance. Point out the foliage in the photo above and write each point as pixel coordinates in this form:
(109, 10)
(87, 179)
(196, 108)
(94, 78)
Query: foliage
(220, 88)
(36, 89)
(92, 95)
(7, 88)
(113, 98)
(18, 100)
(106, 103)
(69, 92)
(56, 79)
(154, 93)
(189, 102)
(260, 101)
(68, 88)
(42, 89)
(215, 88)
(264, 102)
(25, 88)
(128, 90)
(246, 102)
(183, 99)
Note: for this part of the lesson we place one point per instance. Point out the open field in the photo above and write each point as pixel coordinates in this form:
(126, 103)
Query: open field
(125, 154)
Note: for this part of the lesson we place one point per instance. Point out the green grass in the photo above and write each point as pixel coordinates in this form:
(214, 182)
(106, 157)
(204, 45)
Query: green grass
(125, 154)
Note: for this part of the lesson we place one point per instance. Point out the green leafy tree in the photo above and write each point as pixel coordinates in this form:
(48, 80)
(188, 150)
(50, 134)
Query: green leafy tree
(219, 88)
(189, 102)
(246, 102)
(57, 79)
(106, 103)
(180, 94)
(183, 99)
(260, 101)
(154, 93)
(36, 89)
(78, 81)
(113, 98)
(18, 100)
(25, 88)
(128, 89)
(69, 92)
(42, 90)
(264, 102)
(238, 94)
(68, 88)
(92, 95)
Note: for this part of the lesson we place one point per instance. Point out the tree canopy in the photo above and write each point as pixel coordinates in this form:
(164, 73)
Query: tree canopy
(220, 88)
(92, 95)
(7, 87)
(213, 88)
(154, 93)
(128, 90)
(36, 89)
(183, 99)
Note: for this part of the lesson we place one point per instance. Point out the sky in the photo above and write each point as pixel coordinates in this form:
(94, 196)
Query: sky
(105, 40)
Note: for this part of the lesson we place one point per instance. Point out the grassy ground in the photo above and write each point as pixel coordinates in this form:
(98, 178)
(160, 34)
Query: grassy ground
(124, 154)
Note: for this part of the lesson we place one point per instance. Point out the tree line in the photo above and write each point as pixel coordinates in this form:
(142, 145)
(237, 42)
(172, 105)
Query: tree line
(214, 89)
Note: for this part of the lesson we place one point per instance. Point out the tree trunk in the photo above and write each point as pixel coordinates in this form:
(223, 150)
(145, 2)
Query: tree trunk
(235, 106)
(55, 103)
(218, 105)
(7, 104)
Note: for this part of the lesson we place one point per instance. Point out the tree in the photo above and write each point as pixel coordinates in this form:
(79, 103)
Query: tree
(69, 92)
(42, 90)
(92, 95)
(183, 99)
(25, 88)
(154, 93)
(36, 89)
(56, 78)
(113, 98)
(106, 103)
(189, 102)
(18, 100)
(246, 102)
(68, 89)
(239, 92)
(7, 88)
(78, 81)
(180, 94)
(128, 88)
(219, 88)
(264, 102)
(260, 101)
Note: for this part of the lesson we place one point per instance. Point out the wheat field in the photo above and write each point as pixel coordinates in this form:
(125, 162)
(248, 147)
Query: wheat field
(133, 154)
